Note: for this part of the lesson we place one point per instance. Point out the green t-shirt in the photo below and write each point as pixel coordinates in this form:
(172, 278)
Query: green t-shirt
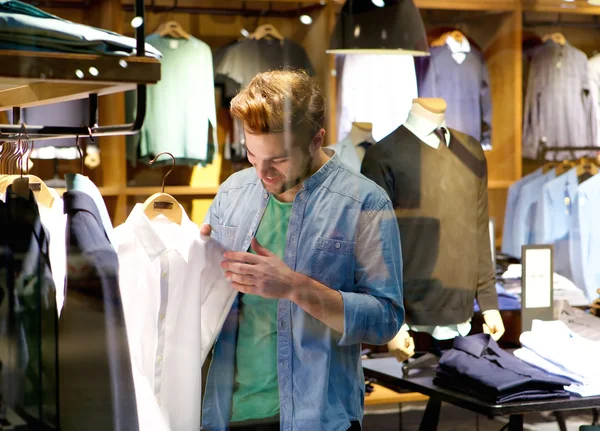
(256, 389)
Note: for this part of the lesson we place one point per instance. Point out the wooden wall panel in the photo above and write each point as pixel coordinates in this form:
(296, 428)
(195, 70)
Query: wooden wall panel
(580, 7)
(505, 5)
(505, 65)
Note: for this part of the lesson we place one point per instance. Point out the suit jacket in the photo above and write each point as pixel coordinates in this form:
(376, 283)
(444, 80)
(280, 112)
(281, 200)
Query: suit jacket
(99, 367)
(28, 318)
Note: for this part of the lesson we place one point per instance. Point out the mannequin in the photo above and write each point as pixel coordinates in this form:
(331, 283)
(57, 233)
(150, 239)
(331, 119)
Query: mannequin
(351, 150)
(428, 271)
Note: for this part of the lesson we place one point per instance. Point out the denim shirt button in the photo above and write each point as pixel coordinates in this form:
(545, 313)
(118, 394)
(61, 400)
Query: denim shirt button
(266, 195)
(338, 245)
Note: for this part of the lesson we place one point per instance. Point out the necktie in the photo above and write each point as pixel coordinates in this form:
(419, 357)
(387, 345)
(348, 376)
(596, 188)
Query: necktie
(440, 132)
(365, 145)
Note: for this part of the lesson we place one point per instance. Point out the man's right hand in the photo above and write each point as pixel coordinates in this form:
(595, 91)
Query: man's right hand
(205, 230)
(402, 346)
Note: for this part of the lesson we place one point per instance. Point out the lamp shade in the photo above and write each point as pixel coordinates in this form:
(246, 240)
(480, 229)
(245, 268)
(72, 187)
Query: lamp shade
(390, 27)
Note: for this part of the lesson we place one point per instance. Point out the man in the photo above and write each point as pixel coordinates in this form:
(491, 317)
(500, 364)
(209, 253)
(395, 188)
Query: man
(322, 276)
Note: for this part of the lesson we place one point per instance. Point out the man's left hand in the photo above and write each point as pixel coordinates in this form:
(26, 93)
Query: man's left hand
(262, 274)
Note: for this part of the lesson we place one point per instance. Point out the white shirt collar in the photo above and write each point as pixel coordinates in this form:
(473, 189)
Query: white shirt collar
(456, 46)
(423, 129)
(155, 244)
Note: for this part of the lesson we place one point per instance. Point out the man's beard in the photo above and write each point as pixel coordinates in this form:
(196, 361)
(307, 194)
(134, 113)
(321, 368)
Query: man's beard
(290, 184)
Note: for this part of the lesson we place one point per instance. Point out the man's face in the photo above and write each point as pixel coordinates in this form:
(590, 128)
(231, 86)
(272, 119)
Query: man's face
(281, 163)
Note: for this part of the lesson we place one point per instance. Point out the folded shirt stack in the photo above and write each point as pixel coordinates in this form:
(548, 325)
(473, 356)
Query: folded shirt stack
(553, 347)
(477, 366)
(25, 27)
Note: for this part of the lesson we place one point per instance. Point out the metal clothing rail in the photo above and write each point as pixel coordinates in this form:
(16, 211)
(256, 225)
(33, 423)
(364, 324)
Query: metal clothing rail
(14, 132)
(542, 151)
(243, 11)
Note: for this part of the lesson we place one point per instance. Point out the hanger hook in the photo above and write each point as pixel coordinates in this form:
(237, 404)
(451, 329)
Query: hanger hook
(78, 144)
(162, 190)
(21, 153)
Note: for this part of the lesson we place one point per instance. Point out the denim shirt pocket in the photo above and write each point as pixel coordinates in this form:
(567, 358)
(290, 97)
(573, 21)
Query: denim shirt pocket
(226, 235)
(333, 263)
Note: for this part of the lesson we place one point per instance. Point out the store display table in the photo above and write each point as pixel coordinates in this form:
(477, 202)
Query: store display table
(388, 372)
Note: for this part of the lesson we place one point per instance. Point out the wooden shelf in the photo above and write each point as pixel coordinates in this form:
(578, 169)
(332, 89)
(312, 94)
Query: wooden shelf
(173, 190)
(499, 184)
(558, 6)
(104, 191)
(383, 395)
(37, 78)
(474, 5)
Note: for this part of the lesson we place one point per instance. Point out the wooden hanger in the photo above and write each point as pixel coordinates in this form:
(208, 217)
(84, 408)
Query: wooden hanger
(564, 166)
(547, 167)
(557, 38)
(172, 29)
(266, 30)
(163, 203)
(23, 183)
(365, 127)
(454, 34)
(585, 165)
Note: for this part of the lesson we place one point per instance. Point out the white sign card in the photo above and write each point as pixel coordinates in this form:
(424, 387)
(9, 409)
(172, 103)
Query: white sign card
(537, 282)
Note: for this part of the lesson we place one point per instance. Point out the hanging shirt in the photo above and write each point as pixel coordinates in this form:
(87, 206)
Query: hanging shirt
(181, 116)
(553, 218)
(464, 86)
(559, 110)
(84, 184)
(524, 227)
(585, 237)
(377, 89)
(508, 247)
(594, 73)
(166, 278)
(55, 221)
(237, 63)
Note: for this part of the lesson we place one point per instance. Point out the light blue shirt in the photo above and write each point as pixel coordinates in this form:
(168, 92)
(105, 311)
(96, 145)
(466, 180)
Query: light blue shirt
(514, 190)
(347, 153)
(585, 237)
(85, 185)
(526, 210)
(553, 218)
(343, 233)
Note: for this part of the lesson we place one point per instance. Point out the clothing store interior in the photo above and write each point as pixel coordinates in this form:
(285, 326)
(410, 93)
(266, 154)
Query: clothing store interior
(178, 254)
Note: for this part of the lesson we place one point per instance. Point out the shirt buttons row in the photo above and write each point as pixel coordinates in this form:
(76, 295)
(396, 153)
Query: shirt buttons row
(164, 274)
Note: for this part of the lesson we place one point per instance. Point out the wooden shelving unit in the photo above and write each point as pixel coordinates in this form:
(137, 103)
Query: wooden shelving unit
(40, 78)
(173, 190)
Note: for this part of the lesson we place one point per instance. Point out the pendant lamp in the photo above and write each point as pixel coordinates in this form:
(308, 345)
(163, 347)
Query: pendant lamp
(379, 27)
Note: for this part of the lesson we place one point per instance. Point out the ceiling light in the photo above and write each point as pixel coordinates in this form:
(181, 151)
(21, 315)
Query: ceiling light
(137, 21)
(93, 71)
(79, 73)
(245, 32)
(306, 19)
(379, 27)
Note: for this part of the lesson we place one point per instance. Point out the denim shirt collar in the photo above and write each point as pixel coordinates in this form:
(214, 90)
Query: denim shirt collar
(322, 174)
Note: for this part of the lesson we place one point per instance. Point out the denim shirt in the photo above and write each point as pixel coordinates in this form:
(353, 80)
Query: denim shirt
(342, 233)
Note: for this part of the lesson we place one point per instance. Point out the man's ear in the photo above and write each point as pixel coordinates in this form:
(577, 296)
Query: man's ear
(318, 140)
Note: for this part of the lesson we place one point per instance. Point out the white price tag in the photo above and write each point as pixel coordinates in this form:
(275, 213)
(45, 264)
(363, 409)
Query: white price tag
(538, 278)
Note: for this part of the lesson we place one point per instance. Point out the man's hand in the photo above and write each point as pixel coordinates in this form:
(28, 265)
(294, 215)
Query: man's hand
(205, 230)
(262, 274)
(493, 324)
(402, 346)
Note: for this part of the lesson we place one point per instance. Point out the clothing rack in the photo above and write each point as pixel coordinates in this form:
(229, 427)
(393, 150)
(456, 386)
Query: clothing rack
(243, 11)
(60, 67)
(543, 150)
(595, 23)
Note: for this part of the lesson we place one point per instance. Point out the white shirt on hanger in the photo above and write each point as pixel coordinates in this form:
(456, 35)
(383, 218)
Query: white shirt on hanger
(459, 49)
(175, 299)
(55, 221)
(377, 89)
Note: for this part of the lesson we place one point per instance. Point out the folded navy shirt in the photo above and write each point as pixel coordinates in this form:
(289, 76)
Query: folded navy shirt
(476, 365)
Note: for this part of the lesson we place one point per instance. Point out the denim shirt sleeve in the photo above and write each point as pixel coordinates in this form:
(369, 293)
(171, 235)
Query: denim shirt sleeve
(374, 311)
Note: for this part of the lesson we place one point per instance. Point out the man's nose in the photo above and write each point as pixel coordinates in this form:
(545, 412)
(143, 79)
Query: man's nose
(263, 169)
